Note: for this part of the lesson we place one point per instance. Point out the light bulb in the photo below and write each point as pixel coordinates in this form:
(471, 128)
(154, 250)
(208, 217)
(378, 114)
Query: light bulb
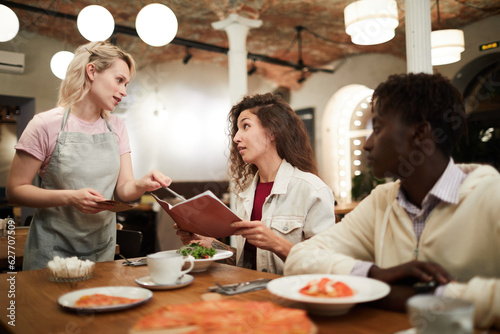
(9, 24)
(60, 62)
(156, 24)
(95, 23)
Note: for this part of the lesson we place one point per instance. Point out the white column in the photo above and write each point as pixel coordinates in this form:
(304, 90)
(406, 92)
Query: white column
(418, 36)
(237, 28)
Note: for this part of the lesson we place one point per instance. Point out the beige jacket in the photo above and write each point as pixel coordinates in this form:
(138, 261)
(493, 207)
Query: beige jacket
(463, 238)
(300, 205)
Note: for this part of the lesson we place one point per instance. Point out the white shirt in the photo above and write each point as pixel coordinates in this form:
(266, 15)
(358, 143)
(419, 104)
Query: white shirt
(300, 206)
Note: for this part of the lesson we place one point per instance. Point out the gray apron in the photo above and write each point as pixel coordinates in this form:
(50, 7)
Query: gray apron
(79, 161)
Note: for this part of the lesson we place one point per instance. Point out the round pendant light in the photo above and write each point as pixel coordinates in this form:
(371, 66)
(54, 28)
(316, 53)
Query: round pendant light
(9, 24)
(446, 46)
(95, 23)
(371, 22)
(156, 24)
(60, 62)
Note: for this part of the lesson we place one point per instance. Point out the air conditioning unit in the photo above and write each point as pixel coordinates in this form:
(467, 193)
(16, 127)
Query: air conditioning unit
(11, 62)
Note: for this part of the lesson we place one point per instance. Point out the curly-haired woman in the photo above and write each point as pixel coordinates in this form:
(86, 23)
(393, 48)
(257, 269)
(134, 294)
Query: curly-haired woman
(278, 194)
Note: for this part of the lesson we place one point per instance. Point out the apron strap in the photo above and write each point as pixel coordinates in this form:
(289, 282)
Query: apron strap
(107, 124)
(65, 119)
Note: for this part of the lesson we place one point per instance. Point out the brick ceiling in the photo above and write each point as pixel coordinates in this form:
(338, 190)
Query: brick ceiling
(323, 39)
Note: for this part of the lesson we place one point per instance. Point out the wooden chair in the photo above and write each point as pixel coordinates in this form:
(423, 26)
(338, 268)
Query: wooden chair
(130, 243)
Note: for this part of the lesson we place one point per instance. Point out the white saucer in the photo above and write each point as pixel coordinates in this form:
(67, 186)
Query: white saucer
(147, 282)
(407, 331)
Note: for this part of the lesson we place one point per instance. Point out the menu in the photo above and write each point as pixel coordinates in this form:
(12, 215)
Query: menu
(204, 214)
(117, 205)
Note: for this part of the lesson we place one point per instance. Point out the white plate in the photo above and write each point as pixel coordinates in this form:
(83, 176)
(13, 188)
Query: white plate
(147, 282)
(201, 265)
(68, 300)
(367, 289)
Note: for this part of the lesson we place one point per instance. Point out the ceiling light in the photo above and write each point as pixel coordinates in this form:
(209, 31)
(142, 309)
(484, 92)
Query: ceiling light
(156, 24)
(370, 22)
(302, 78)
(95, 23)
(187, 57)
(252, 69)
(60, 62)
(446, 46)
(486, 135)
(9, 24)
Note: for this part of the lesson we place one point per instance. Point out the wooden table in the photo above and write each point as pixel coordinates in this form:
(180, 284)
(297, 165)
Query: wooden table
(344, 208)
(37, 311)
(16, 242)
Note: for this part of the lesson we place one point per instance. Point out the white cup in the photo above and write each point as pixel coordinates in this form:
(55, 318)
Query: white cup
(431, 314)
(166, 268)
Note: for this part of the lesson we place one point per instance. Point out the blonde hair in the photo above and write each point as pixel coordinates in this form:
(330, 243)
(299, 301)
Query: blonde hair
(76, 84)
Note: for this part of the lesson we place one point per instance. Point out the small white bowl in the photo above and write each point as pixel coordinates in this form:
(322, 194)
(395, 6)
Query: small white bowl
(64, 277)
(201, 265)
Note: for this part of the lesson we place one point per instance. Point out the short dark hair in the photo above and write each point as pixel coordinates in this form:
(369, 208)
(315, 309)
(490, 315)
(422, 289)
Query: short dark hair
(279, 119)
(420, 97)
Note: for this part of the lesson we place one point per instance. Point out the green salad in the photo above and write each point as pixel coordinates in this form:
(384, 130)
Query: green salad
(197, 251)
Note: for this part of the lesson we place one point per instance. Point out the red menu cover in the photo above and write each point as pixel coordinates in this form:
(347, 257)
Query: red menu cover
(203, 214)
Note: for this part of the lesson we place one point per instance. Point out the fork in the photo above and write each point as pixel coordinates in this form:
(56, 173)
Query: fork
(223, 287)
(236, 286)
(127, 260)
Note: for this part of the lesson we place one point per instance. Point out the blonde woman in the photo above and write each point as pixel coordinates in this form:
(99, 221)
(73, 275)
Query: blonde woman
(82, 154)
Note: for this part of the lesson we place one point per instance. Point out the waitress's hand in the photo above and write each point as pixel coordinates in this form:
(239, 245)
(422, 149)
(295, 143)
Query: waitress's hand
(261, 236)
(153, 180)
(188, 237)
(86, 200)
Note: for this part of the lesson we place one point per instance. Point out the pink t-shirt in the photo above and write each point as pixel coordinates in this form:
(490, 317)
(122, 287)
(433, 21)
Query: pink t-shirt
(40, 136)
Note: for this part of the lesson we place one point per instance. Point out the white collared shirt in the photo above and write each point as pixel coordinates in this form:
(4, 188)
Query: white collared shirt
(300, 206)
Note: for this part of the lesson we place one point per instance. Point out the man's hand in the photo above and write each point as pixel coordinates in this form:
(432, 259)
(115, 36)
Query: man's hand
(402, 277)
(411, 272)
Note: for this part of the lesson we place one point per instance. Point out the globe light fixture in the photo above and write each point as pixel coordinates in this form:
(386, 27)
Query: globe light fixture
(446, 46)
(9, 24)
(60, 62)
(371, 22)
(95, 23)
(156, 24)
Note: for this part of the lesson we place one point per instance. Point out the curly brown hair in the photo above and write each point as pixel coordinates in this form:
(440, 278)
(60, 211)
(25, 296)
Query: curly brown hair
(420, 97)
(279, 119)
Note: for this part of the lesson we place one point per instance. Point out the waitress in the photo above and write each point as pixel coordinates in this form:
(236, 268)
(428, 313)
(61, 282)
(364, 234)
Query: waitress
(82, 154)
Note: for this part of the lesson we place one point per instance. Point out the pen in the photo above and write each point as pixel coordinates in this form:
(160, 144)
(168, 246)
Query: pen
(174, 193)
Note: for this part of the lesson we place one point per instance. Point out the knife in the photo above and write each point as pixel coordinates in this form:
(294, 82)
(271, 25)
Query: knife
(237, 288)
